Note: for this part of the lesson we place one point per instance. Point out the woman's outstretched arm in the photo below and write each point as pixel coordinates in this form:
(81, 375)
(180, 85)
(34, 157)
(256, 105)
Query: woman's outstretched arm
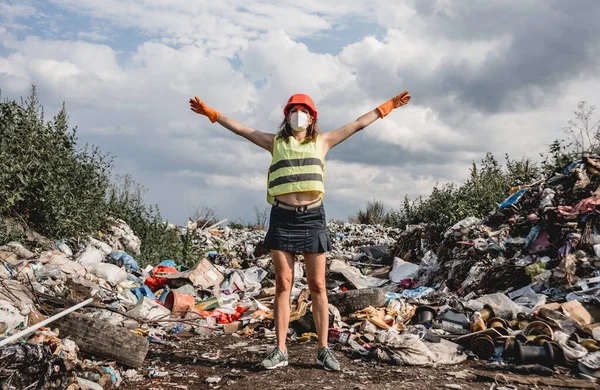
(264, 140)
(332, 138)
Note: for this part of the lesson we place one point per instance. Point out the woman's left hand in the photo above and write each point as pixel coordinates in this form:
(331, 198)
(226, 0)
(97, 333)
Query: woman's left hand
(395, 102)
(401, 99)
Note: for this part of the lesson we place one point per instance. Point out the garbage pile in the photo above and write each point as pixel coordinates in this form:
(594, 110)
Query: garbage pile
(518, 289)
(544, 233)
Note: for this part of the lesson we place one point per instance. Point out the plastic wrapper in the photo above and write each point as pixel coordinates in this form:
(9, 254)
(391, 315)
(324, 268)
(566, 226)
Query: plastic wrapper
(10, 317)
(109, 272)
(512, 199)
(252, 278)
(571, 350)
(127, 260)
(530, 302)
(90, 258)
(503, 306)
(465, 223)
(26, 367)
(122, 237)
(402, 270)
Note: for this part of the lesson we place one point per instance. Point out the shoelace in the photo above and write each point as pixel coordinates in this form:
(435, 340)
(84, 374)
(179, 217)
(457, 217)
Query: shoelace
(274, 353)
(327, 353)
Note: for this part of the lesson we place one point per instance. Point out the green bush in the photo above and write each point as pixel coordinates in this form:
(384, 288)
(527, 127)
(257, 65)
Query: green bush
(63, 191)
(488, 184)
(45, 180)
(374, 214)
(159, 241)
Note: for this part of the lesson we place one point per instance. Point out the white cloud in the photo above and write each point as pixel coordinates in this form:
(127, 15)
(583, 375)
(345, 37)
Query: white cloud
(134, 104)
(93, 36)
(15, 11)
(224, 26)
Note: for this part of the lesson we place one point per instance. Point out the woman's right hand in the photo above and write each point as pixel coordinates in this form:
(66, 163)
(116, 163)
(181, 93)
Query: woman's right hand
(199, 107)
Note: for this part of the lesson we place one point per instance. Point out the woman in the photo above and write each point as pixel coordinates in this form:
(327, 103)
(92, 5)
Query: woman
(295, 190)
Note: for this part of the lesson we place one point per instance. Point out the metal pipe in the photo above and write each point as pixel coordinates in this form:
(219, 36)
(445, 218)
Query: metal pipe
(44, 323)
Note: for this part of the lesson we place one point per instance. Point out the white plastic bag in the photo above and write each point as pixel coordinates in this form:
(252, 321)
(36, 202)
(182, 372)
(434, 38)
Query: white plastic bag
(403, 270)
(502, 305)
(298, 271)
(10, 317)
(149, 310)
(467, 222)
(252, 278)
(102, 246)
(90, 258)
(109, 272)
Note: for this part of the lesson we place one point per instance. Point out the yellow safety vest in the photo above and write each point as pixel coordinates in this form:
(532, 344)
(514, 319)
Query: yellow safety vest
(296, 167)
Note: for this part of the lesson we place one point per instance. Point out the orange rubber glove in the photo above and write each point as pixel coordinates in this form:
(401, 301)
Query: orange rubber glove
(394, 102)
(198, 107)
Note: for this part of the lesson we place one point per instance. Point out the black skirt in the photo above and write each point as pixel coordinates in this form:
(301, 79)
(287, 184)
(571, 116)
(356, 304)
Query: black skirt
(298, 232)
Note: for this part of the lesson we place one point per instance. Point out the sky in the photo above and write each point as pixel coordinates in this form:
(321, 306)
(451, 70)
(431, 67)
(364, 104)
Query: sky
(500, 76)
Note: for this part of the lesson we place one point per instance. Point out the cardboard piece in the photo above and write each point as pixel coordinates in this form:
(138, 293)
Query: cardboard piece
(576, 311)
(234, 327)
(203, 275)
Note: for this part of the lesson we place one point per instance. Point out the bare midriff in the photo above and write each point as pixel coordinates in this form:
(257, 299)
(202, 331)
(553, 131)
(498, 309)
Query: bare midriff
(299, 198)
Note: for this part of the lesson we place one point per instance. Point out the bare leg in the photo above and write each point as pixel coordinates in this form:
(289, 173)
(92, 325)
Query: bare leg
(315, 276)
(284, 266)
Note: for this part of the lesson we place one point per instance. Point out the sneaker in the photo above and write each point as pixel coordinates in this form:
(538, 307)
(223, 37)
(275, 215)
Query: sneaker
(327, 360)
(275, 359)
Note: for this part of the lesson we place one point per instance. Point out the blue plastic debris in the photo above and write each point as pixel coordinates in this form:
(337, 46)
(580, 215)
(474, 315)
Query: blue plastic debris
(144, 291)
(128, 261)
(514, 198)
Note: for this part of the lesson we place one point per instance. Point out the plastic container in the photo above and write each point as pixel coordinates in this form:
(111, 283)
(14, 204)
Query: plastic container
(425, 314)
(178, 303)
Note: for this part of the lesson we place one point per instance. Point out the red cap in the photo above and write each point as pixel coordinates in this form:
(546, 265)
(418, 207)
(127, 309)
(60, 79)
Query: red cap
(301, 99)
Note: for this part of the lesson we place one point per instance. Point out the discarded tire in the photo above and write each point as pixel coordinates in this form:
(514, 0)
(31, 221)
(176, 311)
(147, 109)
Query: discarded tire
(353, 300)
(102, 339)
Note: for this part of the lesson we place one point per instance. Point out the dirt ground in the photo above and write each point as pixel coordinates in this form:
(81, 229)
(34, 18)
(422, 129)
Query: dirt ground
(235, 361)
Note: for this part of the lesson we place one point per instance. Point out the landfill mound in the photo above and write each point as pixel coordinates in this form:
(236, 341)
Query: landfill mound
(516, 290)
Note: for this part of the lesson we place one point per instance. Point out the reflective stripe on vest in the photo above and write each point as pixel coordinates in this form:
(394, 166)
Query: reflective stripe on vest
(295, 167)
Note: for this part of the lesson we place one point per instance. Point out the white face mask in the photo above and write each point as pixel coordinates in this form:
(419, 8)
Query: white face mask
(299, 121)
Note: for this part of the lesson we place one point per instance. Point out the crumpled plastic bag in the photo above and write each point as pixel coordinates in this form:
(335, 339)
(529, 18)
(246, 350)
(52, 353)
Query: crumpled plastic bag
(109, 272)
(18, 295)
(156, 283)
(503, 306)
(590, 364)
(252, 278)
(128, 261)
(89, 258)
(428, 268)
(354, 276)
(122, 237)
(149, 310)
(530, 302)
(298, 271)
(71, 268)
(465, 223)
(446, 352)
(408, 348)
(10, 317)
(25, 366)
(571, 350)
(18, 249)
(101, 246)
(402, 270)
